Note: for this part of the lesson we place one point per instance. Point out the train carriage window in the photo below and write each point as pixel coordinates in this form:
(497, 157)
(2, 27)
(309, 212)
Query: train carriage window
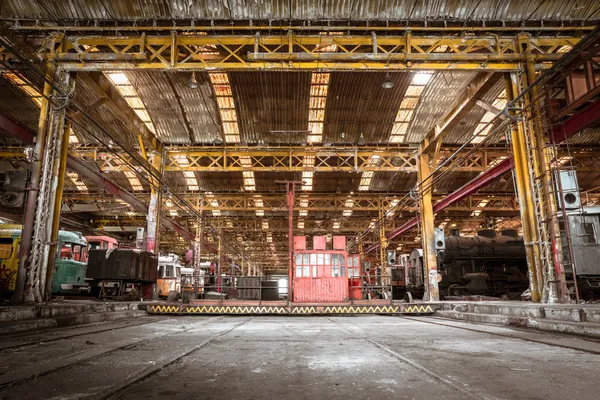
(6, 247)
(588, 233)
(177, 272)
(169, 273)
(161, 271)
(77, 252)
(66, 251)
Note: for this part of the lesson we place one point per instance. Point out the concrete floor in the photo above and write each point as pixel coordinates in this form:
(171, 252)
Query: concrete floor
(363, 357)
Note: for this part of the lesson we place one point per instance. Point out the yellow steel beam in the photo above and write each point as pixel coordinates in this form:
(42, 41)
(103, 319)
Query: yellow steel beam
(427, 228)
(276, 202)
(292, 159)
(295, 50)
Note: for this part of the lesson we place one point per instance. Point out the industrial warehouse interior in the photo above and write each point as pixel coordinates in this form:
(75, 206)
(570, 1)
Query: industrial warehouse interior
(300, 199)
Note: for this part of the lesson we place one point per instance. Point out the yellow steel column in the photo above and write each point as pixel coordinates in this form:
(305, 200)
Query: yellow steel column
(525, 194)
(432, 292)
(382, 247)
(542, 155)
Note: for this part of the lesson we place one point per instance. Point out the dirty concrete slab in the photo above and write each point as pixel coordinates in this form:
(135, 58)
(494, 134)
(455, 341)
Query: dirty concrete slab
(363, 357)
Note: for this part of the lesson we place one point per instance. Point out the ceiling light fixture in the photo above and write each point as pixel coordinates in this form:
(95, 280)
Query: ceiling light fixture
(387, 81)
(193, 83)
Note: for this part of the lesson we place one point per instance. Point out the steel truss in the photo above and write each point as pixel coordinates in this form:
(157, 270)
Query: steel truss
(275, 159)
(270, 202)
(327, 159)
(297, 50)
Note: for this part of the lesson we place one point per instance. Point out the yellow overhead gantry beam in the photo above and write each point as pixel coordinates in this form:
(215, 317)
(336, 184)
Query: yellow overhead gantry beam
(464, 50)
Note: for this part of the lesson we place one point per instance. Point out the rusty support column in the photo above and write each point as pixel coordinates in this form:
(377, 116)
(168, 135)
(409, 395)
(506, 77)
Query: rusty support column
(58, 184)
(432, 292)
(45, 227)
(32, 194)
(154, 208)
(524, 192)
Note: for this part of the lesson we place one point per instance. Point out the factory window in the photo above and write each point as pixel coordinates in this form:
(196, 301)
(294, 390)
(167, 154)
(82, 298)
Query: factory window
(588, 233)
(353, 267)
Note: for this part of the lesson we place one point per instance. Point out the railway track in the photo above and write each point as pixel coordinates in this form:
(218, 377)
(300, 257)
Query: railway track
(32, 373)
(40, 340)
(143, 375)
(529, 332)
(414, 364)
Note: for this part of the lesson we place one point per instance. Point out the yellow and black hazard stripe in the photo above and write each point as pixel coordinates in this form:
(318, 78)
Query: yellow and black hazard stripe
(293, 310)
(419, 308)
(235, 310)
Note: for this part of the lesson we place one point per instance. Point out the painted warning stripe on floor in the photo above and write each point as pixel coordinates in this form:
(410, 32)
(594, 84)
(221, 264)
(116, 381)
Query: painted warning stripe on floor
(293, 310)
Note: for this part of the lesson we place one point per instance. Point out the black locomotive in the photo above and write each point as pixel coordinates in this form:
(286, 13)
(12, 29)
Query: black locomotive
(487, 264)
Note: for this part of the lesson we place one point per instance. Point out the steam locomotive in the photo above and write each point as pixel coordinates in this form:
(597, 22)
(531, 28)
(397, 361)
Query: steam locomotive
(486, 264)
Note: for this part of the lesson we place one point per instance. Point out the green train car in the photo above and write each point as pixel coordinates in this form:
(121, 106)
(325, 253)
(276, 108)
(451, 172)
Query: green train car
(70, 263)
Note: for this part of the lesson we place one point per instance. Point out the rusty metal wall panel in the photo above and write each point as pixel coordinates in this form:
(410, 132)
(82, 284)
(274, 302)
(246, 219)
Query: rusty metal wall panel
(326, 290)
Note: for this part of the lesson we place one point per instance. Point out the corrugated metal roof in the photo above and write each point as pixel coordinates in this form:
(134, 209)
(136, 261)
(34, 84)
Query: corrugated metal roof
(16, 106)
(436, 99)
(271, 101)
(322, 10)
(181, 115)
(357, 103)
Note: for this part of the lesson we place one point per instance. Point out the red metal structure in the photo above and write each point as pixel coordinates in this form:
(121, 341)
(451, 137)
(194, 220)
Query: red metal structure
(321, 275)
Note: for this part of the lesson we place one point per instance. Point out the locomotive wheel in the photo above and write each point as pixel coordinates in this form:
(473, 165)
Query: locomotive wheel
(457, 290)
(408, 297)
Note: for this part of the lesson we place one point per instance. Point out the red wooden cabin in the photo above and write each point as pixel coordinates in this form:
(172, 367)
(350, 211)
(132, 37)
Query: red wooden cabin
(322, 275)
